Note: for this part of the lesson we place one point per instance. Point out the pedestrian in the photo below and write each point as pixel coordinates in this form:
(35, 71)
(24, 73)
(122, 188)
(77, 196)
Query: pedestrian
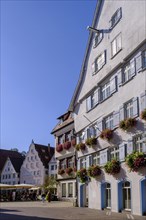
(43, 197)
(13, 195)
(48, 197)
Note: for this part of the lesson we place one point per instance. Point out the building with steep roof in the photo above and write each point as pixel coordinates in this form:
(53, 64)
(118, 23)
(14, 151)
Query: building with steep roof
(10, 164)
(35, 166)
(66, 157)
(109, 105)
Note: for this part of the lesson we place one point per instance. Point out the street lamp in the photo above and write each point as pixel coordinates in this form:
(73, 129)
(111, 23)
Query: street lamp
(93, 29)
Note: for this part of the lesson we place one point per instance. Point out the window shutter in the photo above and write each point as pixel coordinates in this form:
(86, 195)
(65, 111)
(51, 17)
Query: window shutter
(92, 132)
(90, 160)
(104, 58)
(87, 161)
(88, 133)
(135, 107)
(88, 103)
(119, 77)
(116, 119)
(132, 67)
(78, 164)
(143, 101)
(113, 84)
(121, 113)
(78, 140)
(122, 152)
(130, 146)
(99, 127)
(96, 96)
(93, 68)
(138, 62)
(103, 157)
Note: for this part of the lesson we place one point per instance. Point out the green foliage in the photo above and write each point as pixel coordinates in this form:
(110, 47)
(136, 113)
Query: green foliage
(82, 174)
(143, 114)
(136, 160)
(112, 167)
(106, 134)
(127, 123)
(80, 146)
(91, 141)
(94, 171)
(49, 183)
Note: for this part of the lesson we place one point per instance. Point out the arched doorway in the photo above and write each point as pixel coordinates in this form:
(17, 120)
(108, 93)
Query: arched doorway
(124, 196)
(143, 197)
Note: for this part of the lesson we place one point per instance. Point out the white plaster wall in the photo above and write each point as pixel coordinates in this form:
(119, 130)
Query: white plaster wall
(27, 172)
(8, 169)
(59, 190)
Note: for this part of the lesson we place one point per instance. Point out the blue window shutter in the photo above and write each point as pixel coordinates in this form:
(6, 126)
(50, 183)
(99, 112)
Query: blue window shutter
(132, 67)
(88, 133)
(143, 101)
(90, 160)
(135, 107)
(88, 103)
(130, 146)
(99, 126)
(122, 152)
(138, 62)
(119, 77)
(113, 84)
(121, 113)
(116, 119)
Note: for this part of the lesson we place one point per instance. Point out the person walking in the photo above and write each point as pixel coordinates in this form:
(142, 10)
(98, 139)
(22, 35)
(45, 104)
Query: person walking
(43, 197)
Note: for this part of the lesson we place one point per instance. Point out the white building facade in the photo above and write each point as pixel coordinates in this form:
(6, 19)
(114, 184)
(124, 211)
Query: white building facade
(111, 89)
(35, 166)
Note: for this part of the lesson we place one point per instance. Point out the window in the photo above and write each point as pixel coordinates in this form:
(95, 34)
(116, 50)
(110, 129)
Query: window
(37, 164)
(138, 143)
(13, 175)
(28, 158)
(31, 158)
(8, 168)
(32, 165)
(129, 109)
(144, 59)
(38, 172)
(129, 71)
(60, 140)
(108, 195)
(116, 45)
(63, 189)
(9, 176)
(92, 100)
(116, 17)
(96, 158)
(63, 164)
(97, 39)
(67, 136)
(108, 122)
(105, 91)
(114, 153)
(70, 189)
(100, 62)
(52, 167)
(91, 132)
(83, 162)
(126, 195)
(70, 162)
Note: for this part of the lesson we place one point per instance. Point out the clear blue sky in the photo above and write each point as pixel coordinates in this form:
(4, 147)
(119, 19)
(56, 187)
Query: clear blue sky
(42, 48)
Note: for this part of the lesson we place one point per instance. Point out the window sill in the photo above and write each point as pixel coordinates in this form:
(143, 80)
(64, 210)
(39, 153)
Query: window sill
(127, 81)
(92, 108)
(116, 54)
(97, 70)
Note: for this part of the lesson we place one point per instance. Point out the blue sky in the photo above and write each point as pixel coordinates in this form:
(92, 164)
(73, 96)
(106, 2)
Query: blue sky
(42, 49)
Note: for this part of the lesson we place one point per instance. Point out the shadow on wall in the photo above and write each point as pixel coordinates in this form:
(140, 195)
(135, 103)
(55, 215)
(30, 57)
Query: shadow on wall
(12, 216)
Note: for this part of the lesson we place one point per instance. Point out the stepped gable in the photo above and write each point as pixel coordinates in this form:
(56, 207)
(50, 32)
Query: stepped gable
(45, 153)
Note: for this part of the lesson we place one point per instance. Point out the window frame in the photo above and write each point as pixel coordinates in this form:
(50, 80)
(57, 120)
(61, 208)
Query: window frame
(104, 90)
(63, 193)
(114, 21)
(98, 61)
(96, 158)
(114, 151)
(117, 39)
(109, 119)
(128, 109)
(97, 39)
(70, 189)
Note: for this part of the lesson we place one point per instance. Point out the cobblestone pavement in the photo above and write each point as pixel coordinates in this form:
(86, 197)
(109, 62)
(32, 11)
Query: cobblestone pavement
(57, 211)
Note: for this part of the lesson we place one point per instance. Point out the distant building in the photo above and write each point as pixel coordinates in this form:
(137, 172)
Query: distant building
(66, 157)
(10, 164)
(35, 166)
(52, 167)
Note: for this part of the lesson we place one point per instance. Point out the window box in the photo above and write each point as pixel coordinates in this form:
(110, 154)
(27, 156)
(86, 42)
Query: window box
(127, 123)
(106, 134)
(91, 142)
(82, 174)
(143, 114)
(67, 145)
(94, 171)
(61, 171)
(80, 146)
(112, 167)
(69, 170)
(59, 148)
(136, 160)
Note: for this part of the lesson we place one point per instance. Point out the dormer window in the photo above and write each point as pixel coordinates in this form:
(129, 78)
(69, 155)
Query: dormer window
(116, 18)
(97, 39)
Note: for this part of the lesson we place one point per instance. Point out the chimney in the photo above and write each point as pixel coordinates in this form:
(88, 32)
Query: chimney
(49, 148)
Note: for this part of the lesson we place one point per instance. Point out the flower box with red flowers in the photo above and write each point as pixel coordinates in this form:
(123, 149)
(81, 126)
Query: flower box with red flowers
(82, 175)
(112, 167)
(67, 145)
(106, 134)
(69, 170)
(94, 171)
(136, 160)
(61, 171)
(127, 123)
(59, 148)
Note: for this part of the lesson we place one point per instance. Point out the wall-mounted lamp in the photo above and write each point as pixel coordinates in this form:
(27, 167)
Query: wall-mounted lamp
(93, 29)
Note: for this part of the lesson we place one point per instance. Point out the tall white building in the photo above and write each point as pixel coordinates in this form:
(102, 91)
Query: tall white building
(108, 104)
